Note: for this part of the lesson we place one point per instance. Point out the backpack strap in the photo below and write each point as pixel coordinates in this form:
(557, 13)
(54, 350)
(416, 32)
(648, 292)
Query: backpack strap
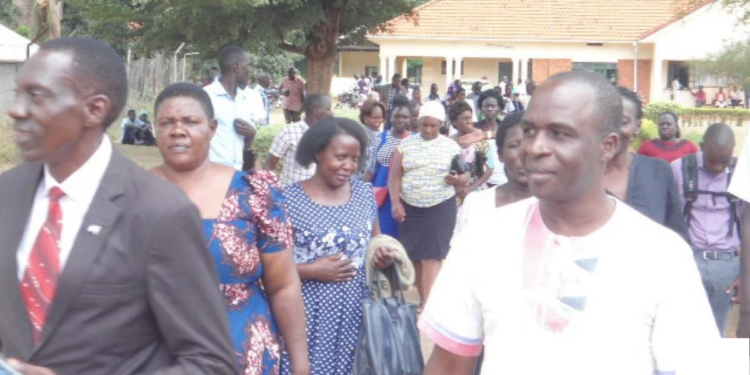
(689, 184)
(733, 201)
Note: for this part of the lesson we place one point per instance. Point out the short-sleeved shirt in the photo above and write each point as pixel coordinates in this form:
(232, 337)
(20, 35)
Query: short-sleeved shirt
(625, 299)
(667, 151)
(227, 146)
(710, 217)
(284, 146)
(296, 95)
(426, 165)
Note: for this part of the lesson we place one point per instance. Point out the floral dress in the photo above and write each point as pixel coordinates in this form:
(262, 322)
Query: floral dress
(252, 221)
(334, 309)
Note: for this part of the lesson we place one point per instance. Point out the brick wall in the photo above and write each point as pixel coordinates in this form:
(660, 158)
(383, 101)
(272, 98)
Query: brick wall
(541, 69)
(625, 73)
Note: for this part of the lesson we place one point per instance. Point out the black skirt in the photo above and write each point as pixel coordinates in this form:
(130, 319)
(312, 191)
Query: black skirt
(427, 231)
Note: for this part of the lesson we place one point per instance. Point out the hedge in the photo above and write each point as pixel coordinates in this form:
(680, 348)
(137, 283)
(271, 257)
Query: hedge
(690, 117)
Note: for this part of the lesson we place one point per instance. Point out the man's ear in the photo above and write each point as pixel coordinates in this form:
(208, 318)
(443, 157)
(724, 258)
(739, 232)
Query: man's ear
(95, 110)
(610, 144)
(213, 125)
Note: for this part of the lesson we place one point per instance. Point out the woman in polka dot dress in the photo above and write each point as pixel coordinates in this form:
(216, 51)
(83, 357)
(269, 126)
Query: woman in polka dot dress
(334, 217)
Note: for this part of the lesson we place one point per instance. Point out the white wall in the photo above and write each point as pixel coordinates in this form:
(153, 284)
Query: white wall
(699, 34)
(578, 52)
(7, 84)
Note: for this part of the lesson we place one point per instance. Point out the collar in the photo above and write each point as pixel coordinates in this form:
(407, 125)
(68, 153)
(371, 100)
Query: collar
(82, 185)
(218, 89)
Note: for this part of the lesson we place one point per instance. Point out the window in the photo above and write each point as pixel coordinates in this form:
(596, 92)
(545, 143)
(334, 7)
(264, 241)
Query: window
(680, 71)
(371, 70)
(444, 67)
(607, 70)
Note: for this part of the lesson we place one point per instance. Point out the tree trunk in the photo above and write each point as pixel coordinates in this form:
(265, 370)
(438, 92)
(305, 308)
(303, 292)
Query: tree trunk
(322, 46)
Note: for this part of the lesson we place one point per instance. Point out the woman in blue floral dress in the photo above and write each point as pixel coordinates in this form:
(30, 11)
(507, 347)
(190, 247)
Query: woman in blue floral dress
(334, 216)
(247, 230)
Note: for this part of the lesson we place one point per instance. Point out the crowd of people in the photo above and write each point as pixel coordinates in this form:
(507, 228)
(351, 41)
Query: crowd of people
(540, 241)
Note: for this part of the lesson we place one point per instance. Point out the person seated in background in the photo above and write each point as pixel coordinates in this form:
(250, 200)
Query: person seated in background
(712, 217)
(720, 99)
(735, 97)
(700, 97)
(132, 133)
(147, 129)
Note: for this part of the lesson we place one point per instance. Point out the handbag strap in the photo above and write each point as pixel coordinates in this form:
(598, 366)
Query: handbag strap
(392, 276)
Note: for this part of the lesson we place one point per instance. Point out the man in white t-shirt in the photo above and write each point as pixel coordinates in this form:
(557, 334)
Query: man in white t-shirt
(580, 283)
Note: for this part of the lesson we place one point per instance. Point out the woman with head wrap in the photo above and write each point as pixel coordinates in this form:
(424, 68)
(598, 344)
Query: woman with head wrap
(424, 174)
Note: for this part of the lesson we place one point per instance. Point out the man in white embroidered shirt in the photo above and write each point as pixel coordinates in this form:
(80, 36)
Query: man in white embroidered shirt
(232, 108)
(581, 283)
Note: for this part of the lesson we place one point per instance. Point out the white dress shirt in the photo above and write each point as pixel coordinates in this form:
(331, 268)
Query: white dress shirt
(255, 111)
(227, 145)
(79, 190)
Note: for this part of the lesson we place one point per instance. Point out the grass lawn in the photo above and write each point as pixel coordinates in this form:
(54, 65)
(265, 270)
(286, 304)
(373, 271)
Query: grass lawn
(147, 157)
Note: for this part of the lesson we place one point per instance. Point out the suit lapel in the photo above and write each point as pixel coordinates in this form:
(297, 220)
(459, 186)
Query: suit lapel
(14, 215)
(103, 213)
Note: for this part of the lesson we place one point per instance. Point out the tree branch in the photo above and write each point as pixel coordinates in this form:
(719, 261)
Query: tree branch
(290, 48)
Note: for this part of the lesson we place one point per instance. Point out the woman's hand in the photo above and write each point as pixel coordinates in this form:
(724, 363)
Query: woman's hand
(383, 257)
(333, 268)
(460, 180)
(398, 211)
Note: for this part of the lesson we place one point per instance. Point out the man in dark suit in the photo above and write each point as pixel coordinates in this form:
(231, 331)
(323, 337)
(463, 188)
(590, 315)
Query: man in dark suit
(103, 267)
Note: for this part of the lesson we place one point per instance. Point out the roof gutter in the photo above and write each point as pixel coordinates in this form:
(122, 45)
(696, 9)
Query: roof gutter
(375, 38)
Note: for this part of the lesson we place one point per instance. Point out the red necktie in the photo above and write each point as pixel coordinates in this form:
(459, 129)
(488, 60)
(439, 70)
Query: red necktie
(40, 279)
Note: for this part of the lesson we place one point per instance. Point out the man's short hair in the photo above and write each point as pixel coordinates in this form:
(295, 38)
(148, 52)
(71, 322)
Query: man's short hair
(96, 67)
(608, 102)
(186, 90)
(396, 76)
(315, 101)
(229, 56)
(719, 134)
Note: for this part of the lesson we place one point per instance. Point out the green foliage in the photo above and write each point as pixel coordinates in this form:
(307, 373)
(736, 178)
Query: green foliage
(649, 130)
(729, 64)
(268, 27)
(698, 116)
(8, 14)
(655, 109)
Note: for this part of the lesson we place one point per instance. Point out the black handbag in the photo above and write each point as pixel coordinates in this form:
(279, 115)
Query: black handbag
(459, 165)
(389, 341)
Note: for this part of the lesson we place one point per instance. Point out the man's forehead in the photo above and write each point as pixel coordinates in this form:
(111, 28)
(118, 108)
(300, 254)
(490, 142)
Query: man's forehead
(47, 68)
(566, 101)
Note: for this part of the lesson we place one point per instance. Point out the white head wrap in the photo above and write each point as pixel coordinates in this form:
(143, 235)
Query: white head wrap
(433, 109)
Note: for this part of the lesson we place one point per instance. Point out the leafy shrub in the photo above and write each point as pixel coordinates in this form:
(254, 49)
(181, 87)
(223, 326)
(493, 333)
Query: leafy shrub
(8, 152)
(705, 116)
(653, 110)
(649, 130)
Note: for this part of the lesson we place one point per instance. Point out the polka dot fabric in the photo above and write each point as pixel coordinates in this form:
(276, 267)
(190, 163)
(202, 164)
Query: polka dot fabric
(334, 310)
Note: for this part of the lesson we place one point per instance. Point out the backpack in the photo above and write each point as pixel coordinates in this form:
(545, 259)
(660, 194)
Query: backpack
(691, 191)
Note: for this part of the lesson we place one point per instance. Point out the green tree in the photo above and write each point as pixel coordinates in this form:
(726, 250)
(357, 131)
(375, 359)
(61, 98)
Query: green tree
(729, 64)
(312, 28)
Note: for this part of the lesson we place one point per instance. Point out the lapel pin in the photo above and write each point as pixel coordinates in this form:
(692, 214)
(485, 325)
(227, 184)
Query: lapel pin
(94, 229)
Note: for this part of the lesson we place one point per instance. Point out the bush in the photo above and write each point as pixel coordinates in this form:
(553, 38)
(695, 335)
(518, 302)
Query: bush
(649, 130)
(690, 117)
(653, 110)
